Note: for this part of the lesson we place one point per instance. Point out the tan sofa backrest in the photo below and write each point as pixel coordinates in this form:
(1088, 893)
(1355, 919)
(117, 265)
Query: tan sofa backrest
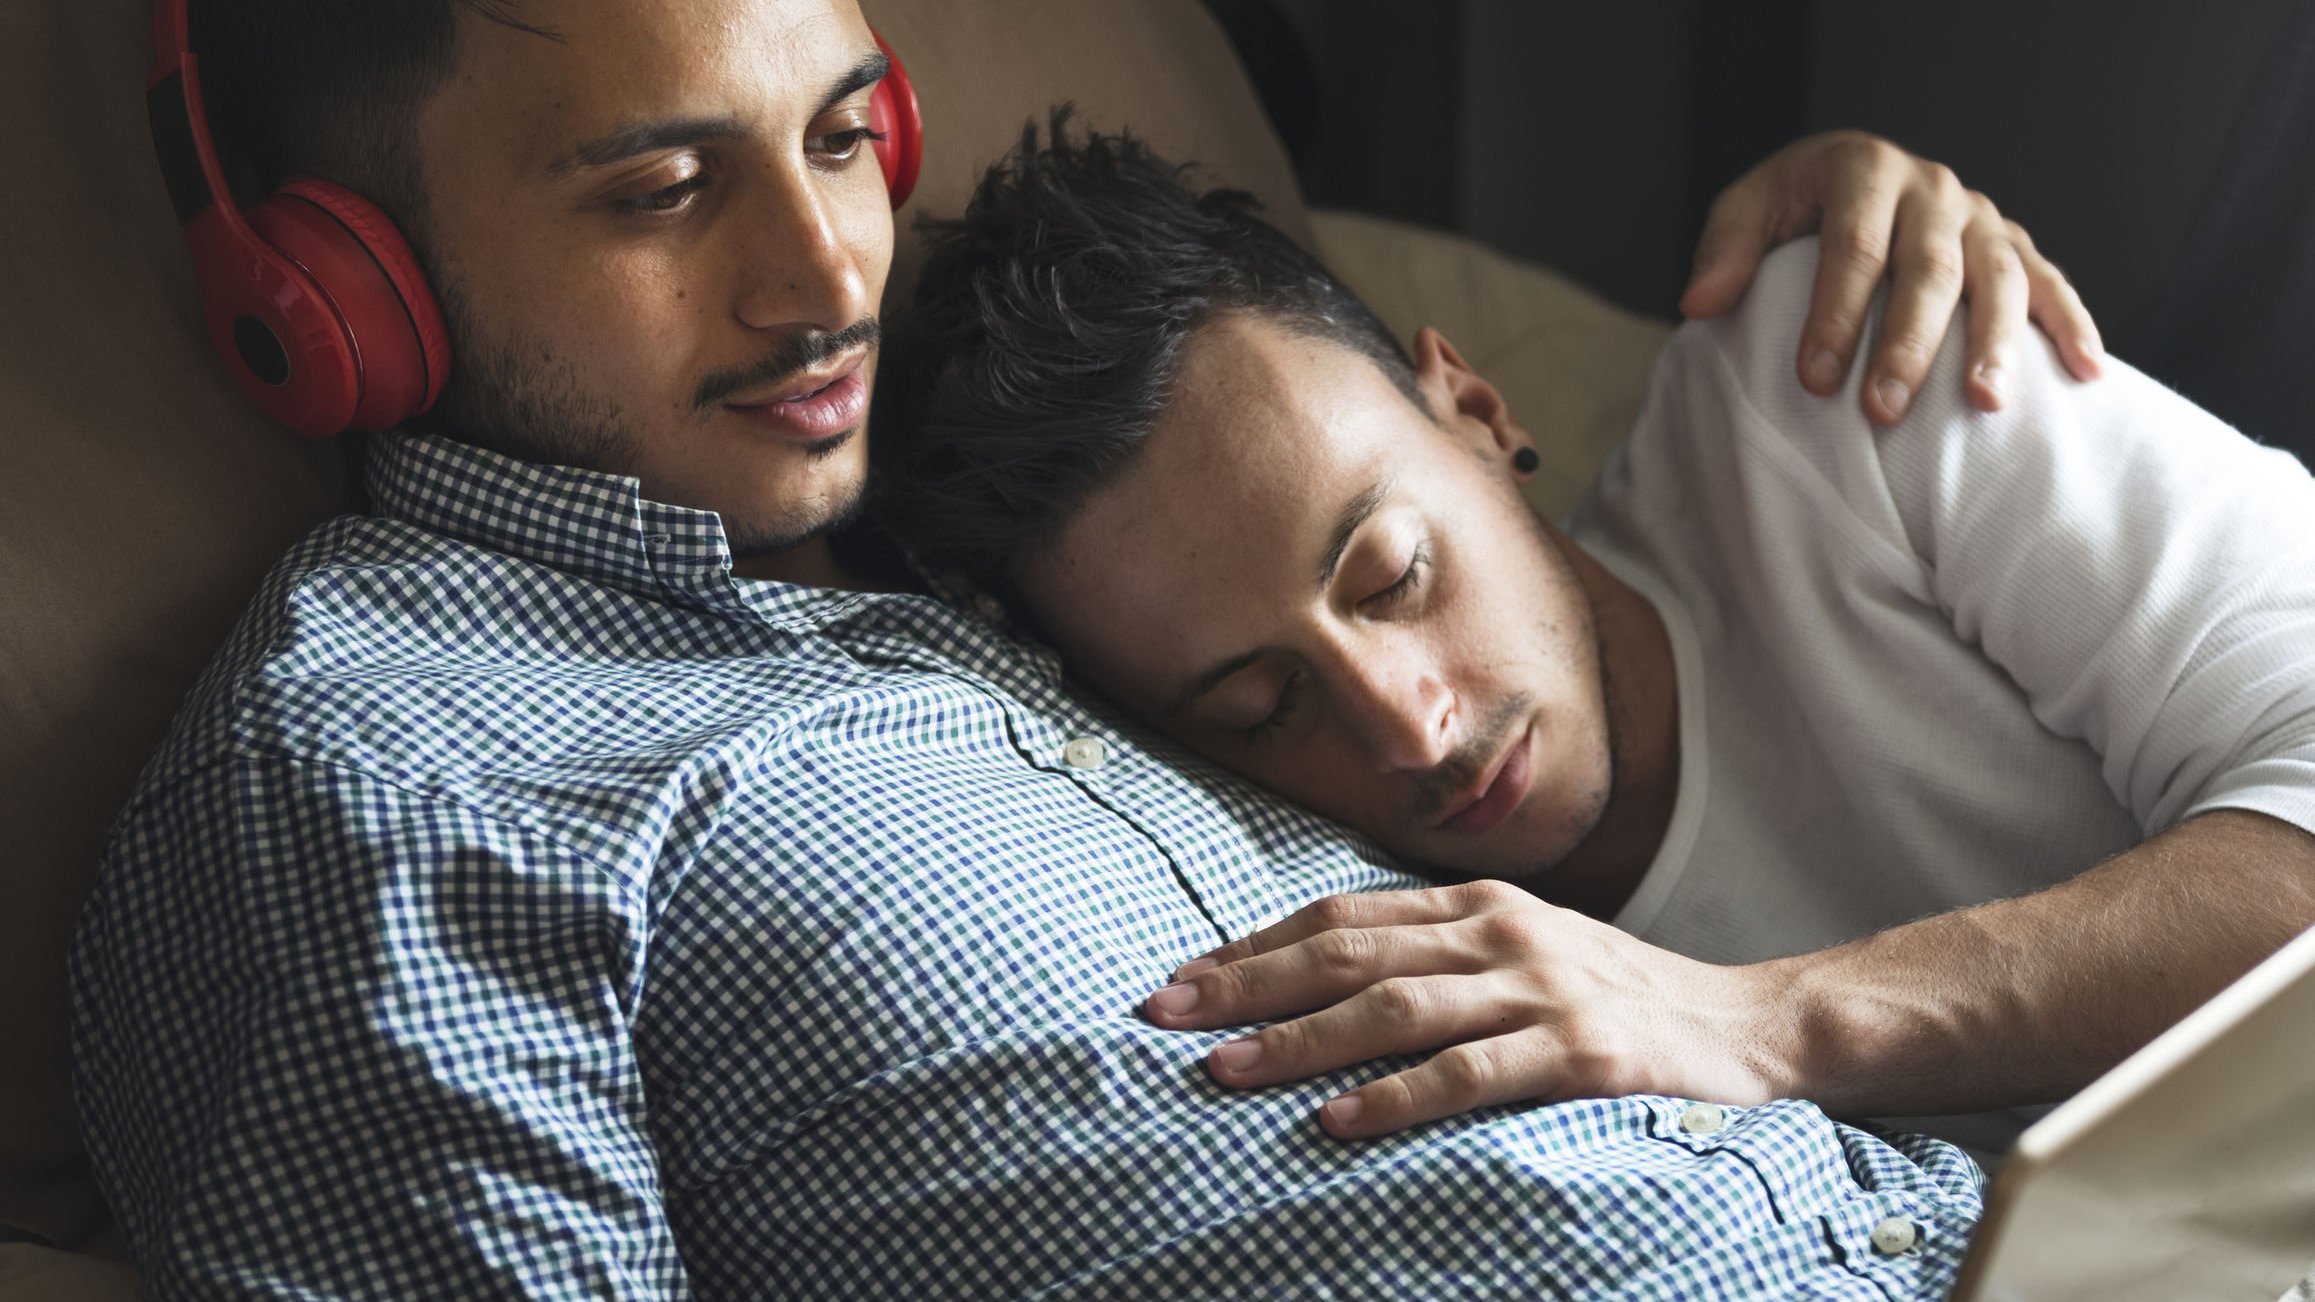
(140, 500)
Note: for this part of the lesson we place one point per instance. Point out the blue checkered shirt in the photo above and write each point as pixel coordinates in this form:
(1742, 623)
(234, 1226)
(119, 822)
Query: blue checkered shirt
(524, 906)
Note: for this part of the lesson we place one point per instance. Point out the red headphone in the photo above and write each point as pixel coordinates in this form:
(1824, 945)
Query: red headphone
(314, 300)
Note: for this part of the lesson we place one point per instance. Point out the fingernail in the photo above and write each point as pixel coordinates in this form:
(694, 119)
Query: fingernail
(1238, 1055)
(1195, 966)
(1894, 396)
(1175, 1000)
(1823, 369)
(1345, 1110)
(1995, 380)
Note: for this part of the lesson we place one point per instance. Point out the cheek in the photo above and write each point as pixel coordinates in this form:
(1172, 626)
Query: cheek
(1514, 610)
(600, 310)
(637, 330)
(1323, 773)
(664, 297)
(868, 231)
(1114, 632)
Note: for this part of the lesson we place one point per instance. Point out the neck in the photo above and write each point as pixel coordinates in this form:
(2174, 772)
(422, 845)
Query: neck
(853, 560)
(812, 563)
(1641, 685)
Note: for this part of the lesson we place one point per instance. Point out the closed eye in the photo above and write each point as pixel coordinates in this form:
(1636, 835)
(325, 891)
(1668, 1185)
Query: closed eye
(1289, 698)
(1405, 585)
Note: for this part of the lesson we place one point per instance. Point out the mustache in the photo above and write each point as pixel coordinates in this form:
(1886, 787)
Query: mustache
(1459, 770)
(797, 354)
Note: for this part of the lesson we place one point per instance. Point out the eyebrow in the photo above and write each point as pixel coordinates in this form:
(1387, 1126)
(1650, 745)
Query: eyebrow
(1346, 526)
(674, 133)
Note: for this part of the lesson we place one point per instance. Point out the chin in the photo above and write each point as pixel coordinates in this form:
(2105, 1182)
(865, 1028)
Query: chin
(781, 529)
(800, 497)
(1525, 847)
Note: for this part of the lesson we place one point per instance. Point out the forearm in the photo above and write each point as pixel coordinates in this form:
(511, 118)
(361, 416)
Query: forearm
(2027, 1000)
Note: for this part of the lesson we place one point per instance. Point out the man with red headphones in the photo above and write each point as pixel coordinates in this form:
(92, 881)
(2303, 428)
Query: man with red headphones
(575, 878)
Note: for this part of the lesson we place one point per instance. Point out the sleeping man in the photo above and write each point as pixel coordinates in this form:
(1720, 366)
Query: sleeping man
(580, 877)
(1919, 771)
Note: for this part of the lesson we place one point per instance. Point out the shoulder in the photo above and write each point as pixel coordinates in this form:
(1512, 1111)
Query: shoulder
(269, 631)
(1757, 341)
(1744, 363)
(2109, 460)
(362, 593)
(1730, 441)
(389, 650)
(1725, 384)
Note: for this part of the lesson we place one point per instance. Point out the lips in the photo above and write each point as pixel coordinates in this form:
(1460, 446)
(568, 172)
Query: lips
(813, 408)
(1498, 792)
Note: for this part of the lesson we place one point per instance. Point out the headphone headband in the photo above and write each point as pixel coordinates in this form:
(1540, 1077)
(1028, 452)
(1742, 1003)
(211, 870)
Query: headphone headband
(172, 35)
(180, 120)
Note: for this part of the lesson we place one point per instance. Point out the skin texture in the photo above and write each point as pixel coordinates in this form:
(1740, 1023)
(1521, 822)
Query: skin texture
(591, 304)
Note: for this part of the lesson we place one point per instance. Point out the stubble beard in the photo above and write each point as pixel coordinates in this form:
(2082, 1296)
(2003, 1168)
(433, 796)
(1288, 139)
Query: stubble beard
(521, 400)
(752, 540)
(1614, 719)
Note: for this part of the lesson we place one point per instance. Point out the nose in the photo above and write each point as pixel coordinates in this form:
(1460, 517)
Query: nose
(1401, 707)
(804, 264)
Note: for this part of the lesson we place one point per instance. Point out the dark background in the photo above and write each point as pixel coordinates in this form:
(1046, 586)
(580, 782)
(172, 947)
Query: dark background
(1590, 136)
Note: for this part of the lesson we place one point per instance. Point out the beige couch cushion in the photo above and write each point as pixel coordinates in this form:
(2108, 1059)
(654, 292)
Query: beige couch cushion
(1160, 67)
(140, 501)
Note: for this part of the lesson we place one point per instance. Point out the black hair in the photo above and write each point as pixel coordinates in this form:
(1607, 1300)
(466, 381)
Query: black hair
(1046, 330)
(330, 87)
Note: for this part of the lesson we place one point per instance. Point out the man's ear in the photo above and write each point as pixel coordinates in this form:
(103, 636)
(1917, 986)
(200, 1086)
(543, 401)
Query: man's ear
(1468, 406)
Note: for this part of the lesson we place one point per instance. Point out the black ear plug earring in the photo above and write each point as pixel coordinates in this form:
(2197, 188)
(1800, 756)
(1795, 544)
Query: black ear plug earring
(1525, 461)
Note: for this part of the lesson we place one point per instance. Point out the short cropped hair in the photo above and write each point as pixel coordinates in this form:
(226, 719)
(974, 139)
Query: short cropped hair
(1047, 328)
(330, 88)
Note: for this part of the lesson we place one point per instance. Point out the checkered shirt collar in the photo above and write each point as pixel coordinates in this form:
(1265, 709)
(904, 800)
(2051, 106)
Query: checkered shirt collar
(594, 525)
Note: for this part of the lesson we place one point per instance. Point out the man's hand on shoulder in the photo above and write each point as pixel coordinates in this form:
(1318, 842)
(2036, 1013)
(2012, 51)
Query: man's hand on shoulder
(1879, 210)
(1523, 1002)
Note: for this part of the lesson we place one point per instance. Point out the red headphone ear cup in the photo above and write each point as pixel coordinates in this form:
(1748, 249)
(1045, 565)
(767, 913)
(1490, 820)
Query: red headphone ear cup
(273, 327)
(385, 243)
(893, 114)
(372, 278)
(389, 364)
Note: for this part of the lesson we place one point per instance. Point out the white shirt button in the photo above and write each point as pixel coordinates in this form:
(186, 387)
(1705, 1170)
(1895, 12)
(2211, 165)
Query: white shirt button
(989, 606)
(1085, 753)
(1895, 1235)
(1704, 1119)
